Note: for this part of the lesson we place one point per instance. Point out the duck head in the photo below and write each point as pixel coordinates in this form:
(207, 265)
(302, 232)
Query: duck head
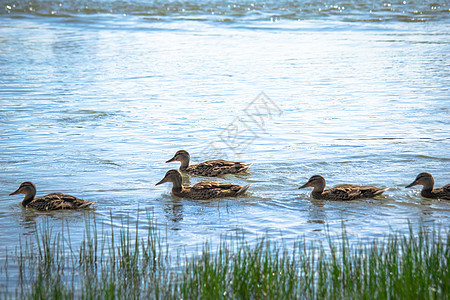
(317, 182)
(172, 176)
(27, 188)
(425, 179)
(181, 156)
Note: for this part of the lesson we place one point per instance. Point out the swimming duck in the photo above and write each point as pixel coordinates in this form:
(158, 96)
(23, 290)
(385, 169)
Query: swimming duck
(341, 192)
(426, 179)
(203, 190)
(51, 201)
(210, 168)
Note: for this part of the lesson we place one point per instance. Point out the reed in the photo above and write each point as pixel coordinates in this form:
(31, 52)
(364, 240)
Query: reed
(126, 265)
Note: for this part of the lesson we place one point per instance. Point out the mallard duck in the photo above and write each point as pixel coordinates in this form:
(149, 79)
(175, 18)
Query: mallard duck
(426, 179)
(203, 190)
(341, 192)
(51, 201)
(210, 168)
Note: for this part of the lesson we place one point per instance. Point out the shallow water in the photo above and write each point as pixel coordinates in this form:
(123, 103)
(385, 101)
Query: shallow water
(95, 100)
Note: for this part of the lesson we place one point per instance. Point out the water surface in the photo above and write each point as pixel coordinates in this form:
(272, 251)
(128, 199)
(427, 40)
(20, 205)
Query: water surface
(95, 97)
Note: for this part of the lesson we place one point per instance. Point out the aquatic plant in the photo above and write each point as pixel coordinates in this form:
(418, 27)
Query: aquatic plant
(127, 264)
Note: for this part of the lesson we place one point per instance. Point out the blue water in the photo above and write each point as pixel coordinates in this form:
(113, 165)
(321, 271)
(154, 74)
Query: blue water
(96, 96)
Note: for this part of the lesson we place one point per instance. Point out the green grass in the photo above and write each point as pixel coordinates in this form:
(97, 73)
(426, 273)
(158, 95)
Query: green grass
(125, 265)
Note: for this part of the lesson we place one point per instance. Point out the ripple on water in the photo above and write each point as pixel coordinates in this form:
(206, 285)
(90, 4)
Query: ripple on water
(95, 102)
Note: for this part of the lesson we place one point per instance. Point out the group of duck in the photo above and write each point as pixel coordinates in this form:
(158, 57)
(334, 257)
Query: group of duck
(211, 189)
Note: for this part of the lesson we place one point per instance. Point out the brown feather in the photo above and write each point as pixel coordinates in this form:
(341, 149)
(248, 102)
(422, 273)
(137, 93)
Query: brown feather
(203, 190)
(52, 201)
(343, 192)
(442, 193)
(214, 168)
(210, 168)
(55, 201)
(427, 181)
(349, 192)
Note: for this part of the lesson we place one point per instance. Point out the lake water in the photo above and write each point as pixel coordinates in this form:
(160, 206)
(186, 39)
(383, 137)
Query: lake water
(94, 98)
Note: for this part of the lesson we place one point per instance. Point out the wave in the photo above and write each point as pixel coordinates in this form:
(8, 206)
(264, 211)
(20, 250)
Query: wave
(230, 11)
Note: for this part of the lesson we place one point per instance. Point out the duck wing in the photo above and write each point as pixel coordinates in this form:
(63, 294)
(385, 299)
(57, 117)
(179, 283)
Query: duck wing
(371, 191)
(212, 189)
(444, 192)
(55, 201)
(345, 192)
(213, 168)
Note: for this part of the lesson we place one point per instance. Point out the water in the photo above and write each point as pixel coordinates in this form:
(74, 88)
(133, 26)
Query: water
(96, 96)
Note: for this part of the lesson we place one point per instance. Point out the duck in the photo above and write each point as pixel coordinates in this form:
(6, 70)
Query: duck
(53, 201)
(426, 180)
(210, 168)
(343, 192)
(203, 190)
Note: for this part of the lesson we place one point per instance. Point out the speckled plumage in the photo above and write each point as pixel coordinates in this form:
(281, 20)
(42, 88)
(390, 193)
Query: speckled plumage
(343, 192)
(210, 168)
(53, 201)
(427, 181)
(203, 190)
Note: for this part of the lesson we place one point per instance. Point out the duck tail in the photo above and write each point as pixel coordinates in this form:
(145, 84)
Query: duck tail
(87, 204)
(243, 189)
(380, 191)
(245, 167)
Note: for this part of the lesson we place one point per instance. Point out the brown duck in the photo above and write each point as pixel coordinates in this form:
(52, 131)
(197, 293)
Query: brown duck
(210, 168)
(203, 190)
(426, 179)
(51, 201)
(341, 192)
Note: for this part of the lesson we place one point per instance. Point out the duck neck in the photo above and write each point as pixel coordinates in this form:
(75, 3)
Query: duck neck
(427, 189)
(427, 192)
(28, 198)
(177, 184)
(184, 163)
(317, 190)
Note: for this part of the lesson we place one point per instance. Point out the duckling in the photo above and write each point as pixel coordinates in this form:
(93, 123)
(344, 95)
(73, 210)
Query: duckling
(203, 190)
(341, 192)
(426, 179)
(210, 168)
(51, 201)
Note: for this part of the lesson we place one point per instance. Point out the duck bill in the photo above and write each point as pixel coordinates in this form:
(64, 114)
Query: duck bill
(170, 160)
(162, 181)
(304, 186)
(16, 192)
(411, 184)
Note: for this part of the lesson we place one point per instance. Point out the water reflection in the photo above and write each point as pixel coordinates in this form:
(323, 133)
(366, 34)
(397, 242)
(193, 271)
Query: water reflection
(85, 112)
(317, 213)
(30, 219)
(27, 220)
(174, 212)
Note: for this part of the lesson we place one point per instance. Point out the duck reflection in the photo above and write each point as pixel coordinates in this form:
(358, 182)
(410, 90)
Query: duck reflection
(317, 212)
(27, 220)
(30, 220)
(174, 211)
